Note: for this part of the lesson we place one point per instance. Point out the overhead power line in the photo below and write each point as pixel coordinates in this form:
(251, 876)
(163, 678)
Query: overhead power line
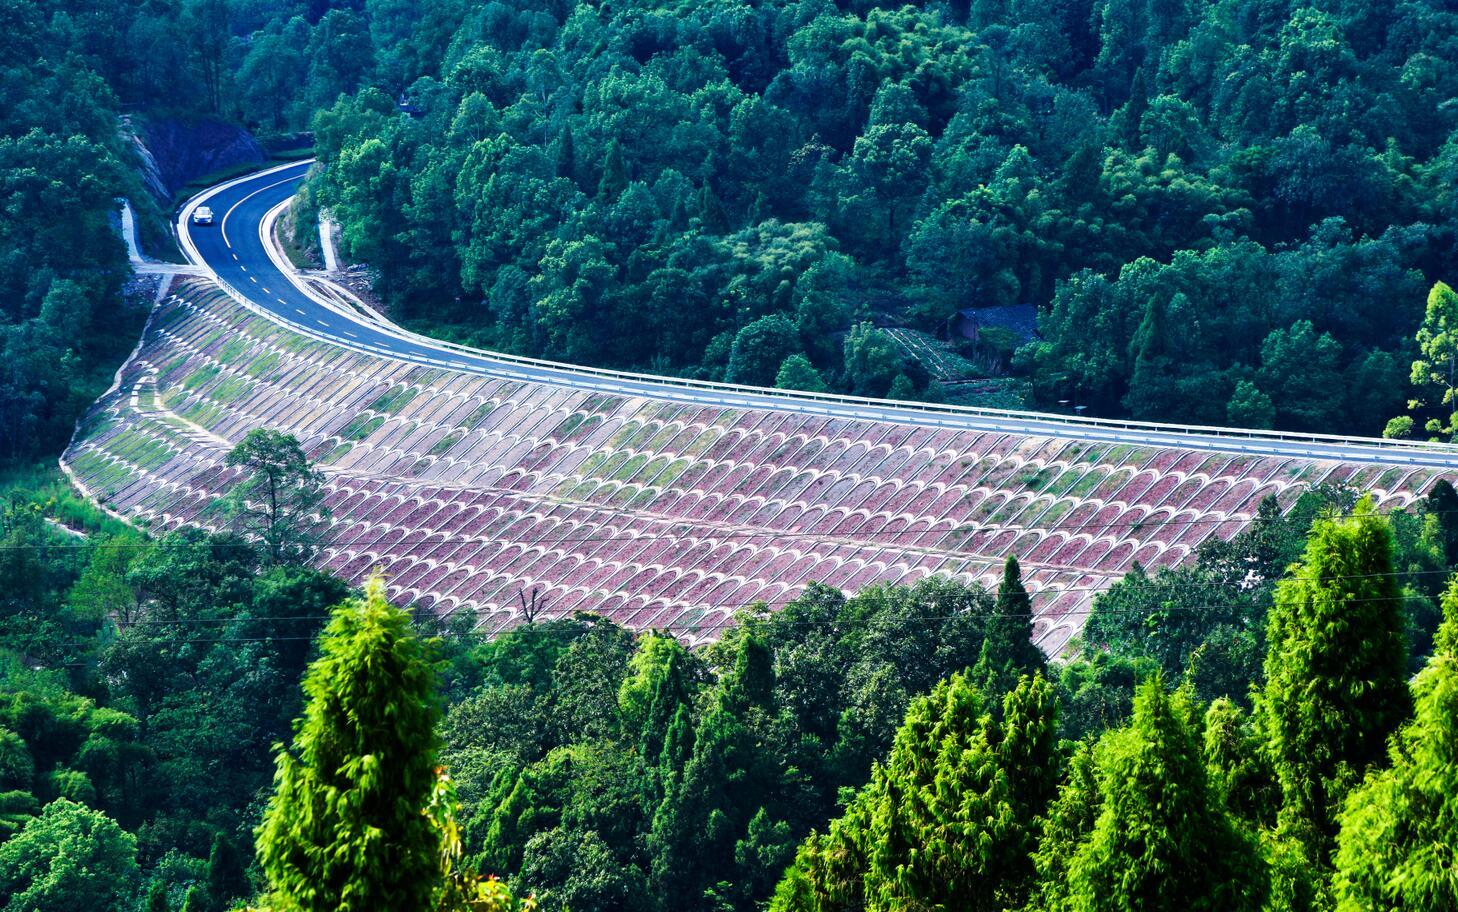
(721, 622)
(1048, 592)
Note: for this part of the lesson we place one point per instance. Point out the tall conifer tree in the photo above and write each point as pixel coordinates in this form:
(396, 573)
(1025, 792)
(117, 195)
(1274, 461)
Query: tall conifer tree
(344, 831)
(1398, 847)
(1070, 820)
(1163, 841)
(1008, 652)
(1335, 671)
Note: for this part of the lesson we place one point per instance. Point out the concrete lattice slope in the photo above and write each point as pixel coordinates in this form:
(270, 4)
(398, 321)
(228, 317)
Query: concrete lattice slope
(468, 490)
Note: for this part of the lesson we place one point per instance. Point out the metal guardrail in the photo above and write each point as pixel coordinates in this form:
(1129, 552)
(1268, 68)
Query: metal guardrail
(935, 407)
(645, 383)
(732, 395)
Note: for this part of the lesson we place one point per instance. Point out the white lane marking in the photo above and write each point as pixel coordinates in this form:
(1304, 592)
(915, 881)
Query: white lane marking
(246, 199)
(298, 310)
(235, 256)
(321, 323)
(253, 280)
(266, 291)
(229, 243)
(281, 300)
(183, 225)
(346, 332)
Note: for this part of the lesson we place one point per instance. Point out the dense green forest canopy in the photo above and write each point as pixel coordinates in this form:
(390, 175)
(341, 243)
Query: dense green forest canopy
(62, 164)
(1225, 212)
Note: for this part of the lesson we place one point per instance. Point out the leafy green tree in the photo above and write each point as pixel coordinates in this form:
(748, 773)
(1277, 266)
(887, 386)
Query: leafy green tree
(985, 248)
(1163, 839)
(587, 679)
(872, 361)
(1435, 374)
(156, 900)
(575, 870)
(344, 828)
(207, 32)
(760, 348)
(903, 388)
(1398, 828)
(1335, 670)
(1440, 508)
(70, 857)
(1300, 369)
(280, 497)
(196, 900)
(1376, 383)
(797, 373)
(289, 605)
(272, 73)
(886, 170)
(226, 879)
(1249, 407)
(102, 589)
(762, 855)
(17, 769)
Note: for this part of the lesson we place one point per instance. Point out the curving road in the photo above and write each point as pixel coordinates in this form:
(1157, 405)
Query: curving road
(233, 250)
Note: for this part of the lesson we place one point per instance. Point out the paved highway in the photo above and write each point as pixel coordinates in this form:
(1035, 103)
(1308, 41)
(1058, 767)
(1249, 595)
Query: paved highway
(233, 249)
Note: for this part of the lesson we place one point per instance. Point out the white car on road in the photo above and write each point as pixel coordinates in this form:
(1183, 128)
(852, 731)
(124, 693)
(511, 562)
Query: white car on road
(202, 215)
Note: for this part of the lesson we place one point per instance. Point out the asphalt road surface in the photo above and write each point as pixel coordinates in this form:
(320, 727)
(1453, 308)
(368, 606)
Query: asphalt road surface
(233, 249)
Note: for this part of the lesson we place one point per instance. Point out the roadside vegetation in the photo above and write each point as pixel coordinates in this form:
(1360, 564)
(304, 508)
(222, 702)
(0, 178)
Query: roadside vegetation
(1272, 722)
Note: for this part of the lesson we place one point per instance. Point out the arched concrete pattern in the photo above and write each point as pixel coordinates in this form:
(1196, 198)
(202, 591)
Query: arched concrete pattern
(468, 489)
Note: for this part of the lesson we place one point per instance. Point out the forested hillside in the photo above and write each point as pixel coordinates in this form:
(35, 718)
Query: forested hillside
(1225, 212)
(71, 71)
(1218, 740)
(62, 163)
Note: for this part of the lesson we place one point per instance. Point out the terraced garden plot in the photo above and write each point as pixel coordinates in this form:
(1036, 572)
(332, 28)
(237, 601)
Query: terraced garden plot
(468, 490)
(936, 356)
